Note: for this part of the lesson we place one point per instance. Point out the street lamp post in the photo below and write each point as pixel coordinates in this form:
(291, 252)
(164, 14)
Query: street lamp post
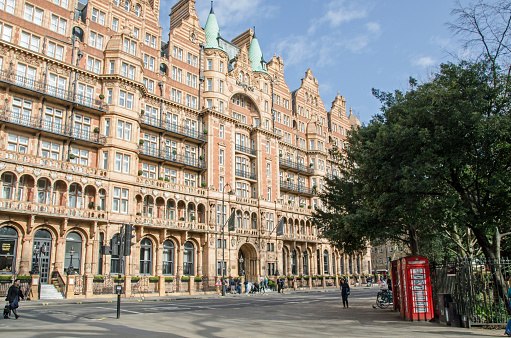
(242, 269)
(70, 268)
(223, 235)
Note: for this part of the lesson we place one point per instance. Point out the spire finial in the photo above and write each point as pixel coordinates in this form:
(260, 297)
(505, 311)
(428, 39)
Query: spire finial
(211, 11)
(254, 34)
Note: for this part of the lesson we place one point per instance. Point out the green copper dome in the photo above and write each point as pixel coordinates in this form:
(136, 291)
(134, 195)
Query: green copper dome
(256, 56)
(212, 31)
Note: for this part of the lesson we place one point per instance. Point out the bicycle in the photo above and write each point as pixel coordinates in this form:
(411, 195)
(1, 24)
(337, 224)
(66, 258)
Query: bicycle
(384, 298)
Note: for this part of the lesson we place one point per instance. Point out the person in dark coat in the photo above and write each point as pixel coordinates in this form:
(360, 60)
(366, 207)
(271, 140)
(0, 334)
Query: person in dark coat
(13, 297)
(279, 284)
(345, 291)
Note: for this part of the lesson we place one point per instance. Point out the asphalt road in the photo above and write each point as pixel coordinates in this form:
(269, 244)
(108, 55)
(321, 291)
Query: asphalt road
(295, 314)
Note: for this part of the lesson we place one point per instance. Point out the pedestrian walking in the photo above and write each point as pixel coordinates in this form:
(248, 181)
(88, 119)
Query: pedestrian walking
(233, 285)
(238, 285)
(345, 292)
(265, 282)
(13, 297)
(279, 284)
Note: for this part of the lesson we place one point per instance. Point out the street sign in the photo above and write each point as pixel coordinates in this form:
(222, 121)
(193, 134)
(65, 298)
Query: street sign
(218, 283)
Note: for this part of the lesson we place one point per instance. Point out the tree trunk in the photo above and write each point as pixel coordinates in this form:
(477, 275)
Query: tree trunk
(414, 244)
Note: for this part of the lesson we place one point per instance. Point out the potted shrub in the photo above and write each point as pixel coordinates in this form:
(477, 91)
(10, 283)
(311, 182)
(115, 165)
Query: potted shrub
(160, 178)
(302, 206)
(167, 179)
(185, 278)
(140, 172)
(141, 142)
(311, 165)
(135, 279)
(309, 207)
(192, 218)
(101, 96)
(91, 205)
(98, 279)
(154, 279)
(99, 208)
(181, 218)
(72, 156)
(289, 201)
(197, 279)
(142, 111)
(139, 214)
(288, 179)
(169, 279)
(280, 154)
(205, 131)
(201, 157)
(203, 184)
(96, 130)
(174, 152)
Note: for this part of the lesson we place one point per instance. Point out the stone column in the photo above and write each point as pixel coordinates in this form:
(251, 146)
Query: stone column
(89, 286)
(159, 261)
(60, 254)
(199, 261)
(127, 286)
(179, 265)
(88, 258)
(26, 256)
(70, 287)
(161, 286)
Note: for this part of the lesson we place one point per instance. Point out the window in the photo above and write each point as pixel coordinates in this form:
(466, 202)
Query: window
(149, 62)
(221, 157)
(98, 17)
(209, 64)
(50, 150)
(267, 147)
(104, 163)
(194, 61)
(221, 184)
(190, 179)
(175, 95)
(21, 111)
(136, 32)
(146, 249)
(122, 163)
(73, 243)
(61, 3)
(188, 259)
(93, 65)
(268, 197)
(32, 14)
(6, 32)
(58, 24)
(96, 40)
(8, 180)
(29, 41)
(8, 5)
(17, 143)
(168, 258)
(221, 131)
(124, 130)
(268, 170)
(137, 10)
(149, 84)
(55, 51)
(79, 156)
(221, 67)
(148, 170)
(209, 85)
(126, 5)
(126, 99)
(115, 24)
(120, 200)
(130, 46)
(220, 86)
(177, 53)
(109, 95)
(75, 196)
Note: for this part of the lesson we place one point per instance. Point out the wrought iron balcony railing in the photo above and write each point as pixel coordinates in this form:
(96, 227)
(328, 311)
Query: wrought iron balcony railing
(246, 150)
(172, 127)
(299, 188)
(295, 165)
(246, 174)
(176, 158)
(23, 119)
(40, 86)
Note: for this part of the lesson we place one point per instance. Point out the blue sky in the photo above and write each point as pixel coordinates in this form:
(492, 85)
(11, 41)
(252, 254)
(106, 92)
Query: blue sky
(350, 46)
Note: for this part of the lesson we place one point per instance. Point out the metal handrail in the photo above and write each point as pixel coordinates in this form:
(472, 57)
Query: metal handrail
(40, 86)
(172, 127)
(177, 158)
(295, 165)
(246, 174)
(297, 187)
(50, 126)
(245, 150)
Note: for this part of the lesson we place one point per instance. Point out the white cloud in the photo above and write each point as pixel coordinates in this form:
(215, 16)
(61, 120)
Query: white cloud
(440, 41)
(373, 27)
(424, 61)
(338, 12)
(296, 49)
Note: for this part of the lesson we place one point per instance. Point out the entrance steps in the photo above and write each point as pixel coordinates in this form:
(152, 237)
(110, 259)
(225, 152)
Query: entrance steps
(49, 291)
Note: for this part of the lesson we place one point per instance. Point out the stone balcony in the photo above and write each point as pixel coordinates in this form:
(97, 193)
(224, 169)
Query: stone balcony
(167, 186)
(31, 208)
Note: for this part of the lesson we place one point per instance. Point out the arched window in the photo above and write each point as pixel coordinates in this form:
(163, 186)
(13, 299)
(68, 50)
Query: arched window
(294, 269)
(137, 10)
(148, 207)
(191, 212)
(305, 263)
(8, 181)
(168, 257)
(127, 5)
(325, 262)
(254, 221)
(75, 196)
(188, 268)
(246, 220)
(74, 250)
(8, 243)
(170, 211)
(146, 250)
(43, 191)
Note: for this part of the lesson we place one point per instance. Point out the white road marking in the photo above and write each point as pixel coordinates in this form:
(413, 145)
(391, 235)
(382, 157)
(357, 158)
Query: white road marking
(138, 313)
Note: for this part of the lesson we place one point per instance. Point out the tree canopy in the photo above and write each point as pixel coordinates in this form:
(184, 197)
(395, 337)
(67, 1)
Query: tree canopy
(436, 161)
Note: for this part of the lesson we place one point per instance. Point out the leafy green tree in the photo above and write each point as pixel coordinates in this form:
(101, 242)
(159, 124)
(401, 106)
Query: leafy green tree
(437, 159)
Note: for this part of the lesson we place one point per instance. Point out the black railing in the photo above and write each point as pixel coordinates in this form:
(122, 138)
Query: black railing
(300, 188)
(172, 127)
(40, 86)
(295, 165)
(245, 150)
(246, 174)
(176, 158)
(51, 126)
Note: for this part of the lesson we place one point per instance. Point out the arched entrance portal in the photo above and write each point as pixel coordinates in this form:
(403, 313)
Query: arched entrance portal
(247, 262)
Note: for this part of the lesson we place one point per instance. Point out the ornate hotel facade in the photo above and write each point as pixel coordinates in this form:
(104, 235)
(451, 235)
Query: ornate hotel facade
(102, 122)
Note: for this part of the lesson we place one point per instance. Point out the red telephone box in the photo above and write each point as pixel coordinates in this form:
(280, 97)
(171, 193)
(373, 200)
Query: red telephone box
(415, 299)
